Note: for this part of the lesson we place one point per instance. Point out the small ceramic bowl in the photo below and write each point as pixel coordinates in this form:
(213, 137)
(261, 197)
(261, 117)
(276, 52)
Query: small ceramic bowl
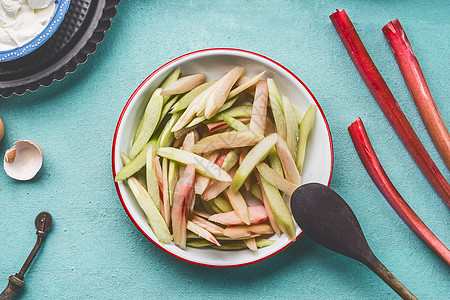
(215, 62)
(61, 7)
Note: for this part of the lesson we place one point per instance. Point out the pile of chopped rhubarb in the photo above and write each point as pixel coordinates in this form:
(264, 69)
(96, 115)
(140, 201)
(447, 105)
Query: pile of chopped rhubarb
(214, 163)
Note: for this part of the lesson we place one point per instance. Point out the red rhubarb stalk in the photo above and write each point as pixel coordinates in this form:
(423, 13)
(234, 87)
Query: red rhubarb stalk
(372, 164)
(418, 87)
(388, 104)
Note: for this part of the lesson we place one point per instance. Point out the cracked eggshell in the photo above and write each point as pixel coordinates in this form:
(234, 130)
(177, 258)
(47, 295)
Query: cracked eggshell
(23, 161)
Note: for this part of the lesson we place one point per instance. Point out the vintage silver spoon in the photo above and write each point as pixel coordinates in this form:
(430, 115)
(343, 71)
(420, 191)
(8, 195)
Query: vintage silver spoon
(328, 220)
(43, 223)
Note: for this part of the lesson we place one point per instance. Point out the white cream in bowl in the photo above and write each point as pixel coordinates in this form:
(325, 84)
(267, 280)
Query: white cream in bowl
(23, 20)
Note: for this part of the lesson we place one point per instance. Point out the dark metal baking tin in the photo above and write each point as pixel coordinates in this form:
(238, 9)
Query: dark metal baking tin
(83, 28)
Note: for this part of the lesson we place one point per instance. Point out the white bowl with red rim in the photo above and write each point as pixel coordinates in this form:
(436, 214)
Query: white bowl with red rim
(318, 164)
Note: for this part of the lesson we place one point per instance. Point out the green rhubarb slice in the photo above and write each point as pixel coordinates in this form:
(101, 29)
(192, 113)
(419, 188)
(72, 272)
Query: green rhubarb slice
(256, 155)
(202, 165)
(136, 164)
(138, 175)
(200, 119)
(230, 160)
(150, 121)
(155, 219)
(291, 126)
(305, 128)
(276, 179)
(189, 97)
(277, 108)
(222, 203)
(151, 176)
(240, 111)
(235, 124)
(166, 138)
(279, 209)
(275, 162)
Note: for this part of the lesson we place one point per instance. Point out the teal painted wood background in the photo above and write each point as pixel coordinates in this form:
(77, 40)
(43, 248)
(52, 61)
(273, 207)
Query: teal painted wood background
(95, 252)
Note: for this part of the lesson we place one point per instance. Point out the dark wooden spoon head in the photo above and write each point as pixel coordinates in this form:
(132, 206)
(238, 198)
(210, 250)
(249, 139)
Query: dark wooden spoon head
(43, 221)
(328, 220)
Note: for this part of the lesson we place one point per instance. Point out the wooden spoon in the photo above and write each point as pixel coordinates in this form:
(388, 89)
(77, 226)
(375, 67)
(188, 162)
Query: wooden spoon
(328, 220)
(43, 222)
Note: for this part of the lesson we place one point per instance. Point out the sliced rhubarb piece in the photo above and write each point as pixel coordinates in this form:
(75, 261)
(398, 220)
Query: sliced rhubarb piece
(373, 167)
(234, 123)
(270, 216)
(242, 154)
(136, 164)
(255, 156)
(189, 97)
(238, 231)
(275, 162)
(256, 191)
(388, 104)
(221, 91)
(192, 109)
(165, 184)
(138, 175)
(184, 84)
(290, 169)
(166, 138)
(279, 209)
(199, 244)
(155, 219)
(260, 242)
(240, 111)
(173, 179)
(251, 244)
(222, 203)
(201, 119)
(205, 224)
(291, 125)
(305, 127)
(299, 114)
(181, 201)
(190, 140)
(239, 205)
(202, 232)
(245, 85)
(277, 108)
(167, 107)
(201, 214)
(276, 179)
(259, 112)
(240, 122)
(217, 187)
(149, 123)
(202, 165)
(202, 182)
(157, 165)
(230, 160)
(418, 88)
(226, 140)
(257, 214)
(153, 184)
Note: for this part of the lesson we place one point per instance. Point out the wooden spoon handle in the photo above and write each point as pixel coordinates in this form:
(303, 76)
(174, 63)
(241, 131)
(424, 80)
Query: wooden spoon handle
(390, 279)
(14, 285)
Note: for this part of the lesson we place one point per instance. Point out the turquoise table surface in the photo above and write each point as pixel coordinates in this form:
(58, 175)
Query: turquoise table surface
(95, 252)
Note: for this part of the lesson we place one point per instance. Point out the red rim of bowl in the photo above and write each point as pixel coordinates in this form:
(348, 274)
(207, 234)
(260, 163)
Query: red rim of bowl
(131, 99)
